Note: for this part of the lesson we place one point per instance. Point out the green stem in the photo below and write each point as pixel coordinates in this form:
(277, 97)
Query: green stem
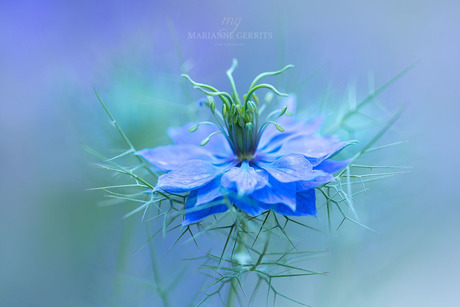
(231, 294)
(161, 291)
(239, 249)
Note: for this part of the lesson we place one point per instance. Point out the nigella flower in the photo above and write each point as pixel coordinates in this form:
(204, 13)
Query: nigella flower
(240, 160)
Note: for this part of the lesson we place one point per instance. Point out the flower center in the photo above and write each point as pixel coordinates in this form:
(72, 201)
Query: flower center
(239, 120)
(241, 125)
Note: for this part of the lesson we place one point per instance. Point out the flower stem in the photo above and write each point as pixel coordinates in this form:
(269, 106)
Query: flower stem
(160, 290)
(240, 246)
(231, 293)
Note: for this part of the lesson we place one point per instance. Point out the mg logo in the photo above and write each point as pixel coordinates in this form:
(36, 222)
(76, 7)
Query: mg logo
(230, 24)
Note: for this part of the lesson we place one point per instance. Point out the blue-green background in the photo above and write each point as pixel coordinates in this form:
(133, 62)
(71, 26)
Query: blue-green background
(59, 248)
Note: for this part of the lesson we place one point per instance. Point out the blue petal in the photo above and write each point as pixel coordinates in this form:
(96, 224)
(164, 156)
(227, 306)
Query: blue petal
(194, 216)
(332, 166)
(218, 144)
(320, 180)
(276, 193)
(290, 168)
(327, 167)
(244, 179)
(315, 148)
(305, 205)
(189, 176)
(272, 139)
(209, 192)
(249, 205)
(169, 157)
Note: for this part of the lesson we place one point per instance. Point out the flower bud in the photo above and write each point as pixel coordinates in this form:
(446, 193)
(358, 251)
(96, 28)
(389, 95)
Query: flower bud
(193, 128)
(239, 109)
(278, 126)
(212, 106)
(253, 107)
(233, 110)
(205, 141)
(256, 99)
(283, 111)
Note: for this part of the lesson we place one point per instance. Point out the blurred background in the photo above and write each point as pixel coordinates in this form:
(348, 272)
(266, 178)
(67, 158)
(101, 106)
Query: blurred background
(60, 247)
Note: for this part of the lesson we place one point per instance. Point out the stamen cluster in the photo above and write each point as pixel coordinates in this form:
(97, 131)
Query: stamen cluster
(239, 120)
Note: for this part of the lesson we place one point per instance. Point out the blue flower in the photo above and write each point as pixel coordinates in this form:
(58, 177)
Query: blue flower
(240, 160)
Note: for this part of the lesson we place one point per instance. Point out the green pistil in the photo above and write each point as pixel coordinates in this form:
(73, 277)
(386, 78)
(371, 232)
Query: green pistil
(245, 157)
(239, 122)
